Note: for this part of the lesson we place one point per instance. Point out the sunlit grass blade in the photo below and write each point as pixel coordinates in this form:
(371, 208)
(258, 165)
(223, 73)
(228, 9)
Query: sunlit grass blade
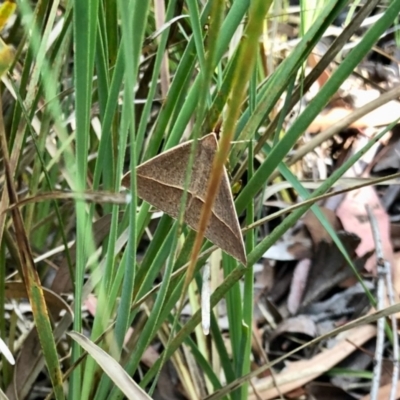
(85, 20)
(116, 373)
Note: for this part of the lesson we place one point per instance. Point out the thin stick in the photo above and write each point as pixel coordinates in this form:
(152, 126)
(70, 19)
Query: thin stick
(380, 336)
(391, 298)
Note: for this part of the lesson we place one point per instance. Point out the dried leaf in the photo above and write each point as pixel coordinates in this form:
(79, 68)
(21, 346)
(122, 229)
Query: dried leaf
(31, 278)
(315, 228)
(384, 392)
(299, 281)
(329, 267)
(295, 244)
(354, 218)
(318, 390)
(30, 361)
(300, 326)
(299, 373)
(160, 182)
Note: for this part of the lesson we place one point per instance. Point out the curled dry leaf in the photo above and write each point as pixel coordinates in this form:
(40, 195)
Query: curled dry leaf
(161, 182)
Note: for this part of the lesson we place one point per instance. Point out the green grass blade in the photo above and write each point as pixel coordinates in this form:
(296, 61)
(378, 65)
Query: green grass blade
(316, 105)
(85, 29)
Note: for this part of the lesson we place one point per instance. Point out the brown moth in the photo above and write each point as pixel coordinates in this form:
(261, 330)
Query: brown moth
(160, 182)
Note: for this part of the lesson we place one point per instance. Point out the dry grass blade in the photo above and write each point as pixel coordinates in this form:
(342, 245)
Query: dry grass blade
(29, 363)
(31, 278)
(6, 352)
(17, 290)
(117, 374)
(94, 197)
(3, 395)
